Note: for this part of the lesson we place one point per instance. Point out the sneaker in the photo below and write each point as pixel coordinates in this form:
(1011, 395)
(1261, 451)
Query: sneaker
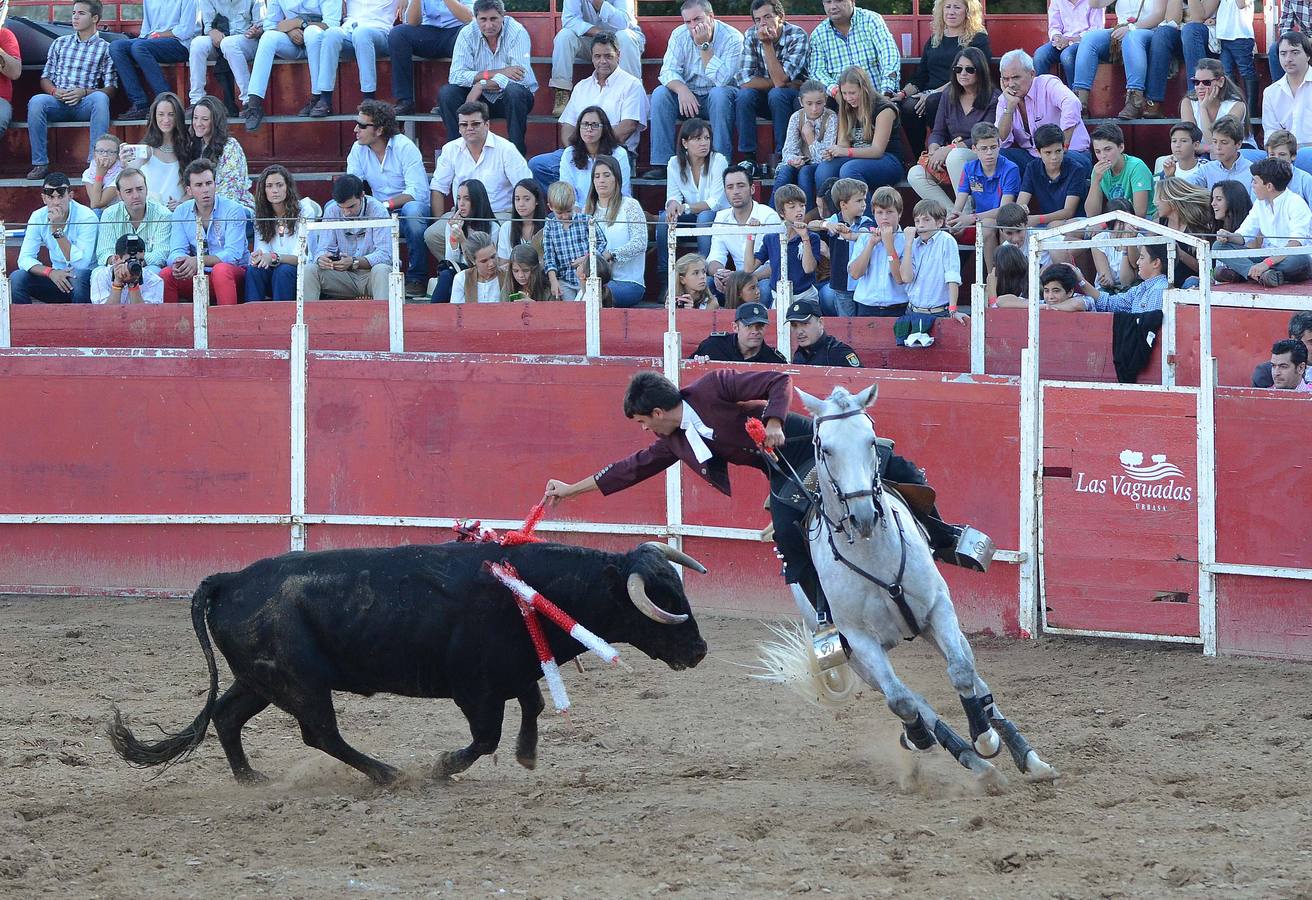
(1271, 278)
(136, 113)
(321, 109)
(562, 100)
(405, 108)
(653, 174)
(38, 173)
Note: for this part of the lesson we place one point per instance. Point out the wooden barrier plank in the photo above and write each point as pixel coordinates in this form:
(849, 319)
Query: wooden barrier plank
(1270, 617)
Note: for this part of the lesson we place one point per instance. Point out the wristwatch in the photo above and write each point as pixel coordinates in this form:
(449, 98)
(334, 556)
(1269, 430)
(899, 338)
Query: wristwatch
(687, 209)
(57, 233)
(704, 46)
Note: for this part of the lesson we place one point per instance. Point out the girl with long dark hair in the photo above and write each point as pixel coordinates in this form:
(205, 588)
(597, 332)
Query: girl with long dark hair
(209, 127)
(168, 151)
(528, 215)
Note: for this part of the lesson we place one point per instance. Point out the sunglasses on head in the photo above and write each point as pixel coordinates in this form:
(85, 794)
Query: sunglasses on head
(964, 70)
(55, 191)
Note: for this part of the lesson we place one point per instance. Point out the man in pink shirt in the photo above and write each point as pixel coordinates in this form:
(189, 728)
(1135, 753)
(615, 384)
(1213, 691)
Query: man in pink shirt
(1068, 20)
(1288, 365)
(1028, 101)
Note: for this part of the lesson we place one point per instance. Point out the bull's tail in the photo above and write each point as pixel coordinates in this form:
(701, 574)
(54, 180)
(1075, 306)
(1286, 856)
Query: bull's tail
(175, 747)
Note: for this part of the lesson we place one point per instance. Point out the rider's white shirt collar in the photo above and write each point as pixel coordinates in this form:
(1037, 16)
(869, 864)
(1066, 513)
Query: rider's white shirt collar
(696, 432)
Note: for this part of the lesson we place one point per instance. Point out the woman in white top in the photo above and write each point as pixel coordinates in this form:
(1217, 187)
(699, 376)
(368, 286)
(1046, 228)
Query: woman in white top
(1217, 96)
(480, 283)
(101, 176)
(272, 271)
(473, 212)
(528, 215)
(625, 225)
(694, 188)
(594, 137)
(167, 149)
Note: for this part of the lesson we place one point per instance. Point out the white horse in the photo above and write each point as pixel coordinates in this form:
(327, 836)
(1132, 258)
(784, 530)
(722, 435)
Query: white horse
(868, 550)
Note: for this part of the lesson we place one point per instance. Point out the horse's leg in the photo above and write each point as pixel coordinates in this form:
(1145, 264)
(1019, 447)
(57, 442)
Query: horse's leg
(944, 632)
(1026, 758)
(922, 725)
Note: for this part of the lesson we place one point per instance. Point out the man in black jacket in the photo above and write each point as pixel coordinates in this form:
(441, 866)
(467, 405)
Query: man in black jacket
(746, 343)
(814, 347)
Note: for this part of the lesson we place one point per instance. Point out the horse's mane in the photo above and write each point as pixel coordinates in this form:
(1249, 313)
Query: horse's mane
(842, 397)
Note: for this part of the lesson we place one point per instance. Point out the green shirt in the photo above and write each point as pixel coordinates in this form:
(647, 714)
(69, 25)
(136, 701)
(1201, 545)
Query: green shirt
(156, 231)
(1134, 176)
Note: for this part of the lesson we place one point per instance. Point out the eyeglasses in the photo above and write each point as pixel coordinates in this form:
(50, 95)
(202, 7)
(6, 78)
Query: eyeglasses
(361, 126)
(54, 191)
(106, 151)
(479, 124)
(964, 70)
(1203, 82)
(589, 125)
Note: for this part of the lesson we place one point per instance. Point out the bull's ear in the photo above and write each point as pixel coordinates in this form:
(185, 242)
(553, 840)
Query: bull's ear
(614, 579)
(813, 404)
(867, 397)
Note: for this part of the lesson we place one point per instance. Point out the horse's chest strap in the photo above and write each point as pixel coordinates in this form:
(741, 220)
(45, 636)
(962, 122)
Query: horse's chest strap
(894, 590)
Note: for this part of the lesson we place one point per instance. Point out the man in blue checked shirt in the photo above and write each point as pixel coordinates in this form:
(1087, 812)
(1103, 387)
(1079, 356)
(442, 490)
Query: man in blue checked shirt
(854, 37)
(492, 62)
(167, 27)
(66, 230)
(774, 63)
(351, 261)
(224, 253)
(76, 84)
(1146, 296)
(699, 78)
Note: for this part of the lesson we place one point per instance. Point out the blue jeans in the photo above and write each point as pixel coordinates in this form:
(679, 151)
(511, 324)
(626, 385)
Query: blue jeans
(1048, 56)
(885, 171)
(275, 43)
(1187, 43)
(546, 168)
(1237, 57)
(44, 108)
(145, 54)
(716, 107)
(836, 303)
(705, 217)
(803, 178)
(365, 43)
(24, 287)
(780, 104)
(6, 115)
(1304, 158)
(627, 293)
(414, 220)
(405, 42)
(275, 283)
(1095, 48)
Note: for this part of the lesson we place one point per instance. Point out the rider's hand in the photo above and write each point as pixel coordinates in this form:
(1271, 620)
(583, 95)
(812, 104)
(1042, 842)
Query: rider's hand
(774, 434)
(555, 492)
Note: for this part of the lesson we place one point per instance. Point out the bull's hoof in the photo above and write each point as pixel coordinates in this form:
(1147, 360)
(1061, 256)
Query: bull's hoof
(384, 775)
(449, 763)
(528, 762)
(251, 777)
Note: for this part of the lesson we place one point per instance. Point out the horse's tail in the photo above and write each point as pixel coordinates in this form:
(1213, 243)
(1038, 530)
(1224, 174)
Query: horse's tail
(790, 661)
(175, 747)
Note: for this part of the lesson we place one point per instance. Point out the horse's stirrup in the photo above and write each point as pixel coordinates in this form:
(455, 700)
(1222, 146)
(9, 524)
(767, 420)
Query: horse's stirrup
(827, 644)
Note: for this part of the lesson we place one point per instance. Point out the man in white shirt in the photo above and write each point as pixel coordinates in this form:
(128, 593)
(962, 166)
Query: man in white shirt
(580, 22)
(364, 29)
(66, 230)
(1279, 218)
(351, 261)
(476, 154)
(743, 210)
(492, 62)
(428, 29)
(618, 93)
(392, 166)
(699, 77)
(1287, 103)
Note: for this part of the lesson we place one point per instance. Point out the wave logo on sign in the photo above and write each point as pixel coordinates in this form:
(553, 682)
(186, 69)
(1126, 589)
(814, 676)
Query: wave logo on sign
(1132, 463)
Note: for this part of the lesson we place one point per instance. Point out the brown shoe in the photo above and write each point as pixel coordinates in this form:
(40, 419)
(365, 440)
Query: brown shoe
(562, 99)
(1133, 105)
(1083, 95)
(1153, 110)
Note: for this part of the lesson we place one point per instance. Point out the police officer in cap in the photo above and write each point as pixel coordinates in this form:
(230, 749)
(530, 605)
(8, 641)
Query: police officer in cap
(814, 347)
(746, 343)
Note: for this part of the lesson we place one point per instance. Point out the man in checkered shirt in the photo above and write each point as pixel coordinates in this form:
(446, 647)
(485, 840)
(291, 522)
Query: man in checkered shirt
(774, 64)
(854, 37)
(1295, 15)
(77, 82)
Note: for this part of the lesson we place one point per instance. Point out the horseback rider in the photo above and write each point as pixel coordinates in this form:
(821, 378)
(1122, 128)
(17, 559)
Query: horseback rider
(704, 424)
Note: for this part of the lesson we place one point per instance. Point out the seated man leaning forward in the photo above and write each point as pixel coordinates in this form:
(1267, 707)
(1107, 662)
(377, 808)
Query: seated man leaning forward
(705, 426)
(1278, 212)
(1289, 366)
(746, 343)
(351, 261)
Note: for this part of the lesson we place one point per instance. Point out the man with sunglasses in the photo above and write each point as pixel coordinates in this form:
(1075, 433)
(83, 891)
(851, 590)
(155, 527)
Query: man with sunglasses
(66, 231)
(351, 261)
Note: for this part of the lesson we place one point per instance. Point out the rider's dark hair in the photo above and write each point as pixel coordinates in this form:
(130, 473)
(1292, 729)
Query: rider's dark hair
(650, 391)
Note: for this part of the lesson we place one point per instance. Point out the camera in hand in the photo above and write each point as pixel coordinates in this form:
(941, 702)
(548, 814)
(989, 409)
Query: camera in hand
(131, 249)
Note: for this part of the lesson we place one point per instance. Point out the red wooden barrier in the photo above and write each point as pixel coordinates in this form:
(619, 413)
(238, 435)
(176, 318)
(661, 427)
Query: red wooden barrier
(1270, 617)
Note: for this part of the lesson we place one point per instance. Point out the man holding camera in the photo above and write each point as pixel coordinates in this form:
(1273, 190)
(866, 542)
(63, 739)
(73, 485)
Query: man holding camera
(133, 215)
(66, 231)
(128, 279)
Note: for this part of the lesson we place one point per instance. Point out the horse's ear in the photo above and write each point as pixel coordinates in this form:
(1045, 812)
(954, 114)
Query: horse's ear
(866, 398)
(812, 404)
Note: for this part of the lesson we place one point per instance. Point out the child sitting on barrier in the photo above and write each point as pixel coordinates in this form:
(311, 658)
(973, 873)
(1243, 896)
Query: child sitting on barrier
(876, 267)
(524, 279)
(803, 246)
(931, 263)
(691, 290)
(565, 242)
(1146, 296)
(1279, 218)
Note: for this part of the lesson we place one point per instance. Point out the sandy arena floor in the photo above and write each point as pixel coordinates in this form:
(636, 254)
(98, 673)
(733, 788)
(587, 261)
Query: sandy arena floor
(1181, 776)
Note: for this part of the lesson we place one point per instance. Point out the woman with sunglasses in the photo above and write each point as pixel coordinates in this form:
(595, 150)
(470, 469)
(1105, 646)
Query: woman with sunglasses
(971, 99)
(1217, 96)
(957, 24)
(167, 148)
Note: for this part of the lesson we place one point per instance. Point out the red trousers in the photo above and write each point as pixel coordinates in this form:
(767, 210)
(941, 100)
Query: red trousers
(226, 282)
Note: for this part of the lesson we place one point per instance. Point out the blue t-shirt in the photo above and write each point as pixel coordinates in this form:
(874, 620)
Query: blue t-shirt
(839, 250)
(987, 191)
(800, 279)
(1048, 195)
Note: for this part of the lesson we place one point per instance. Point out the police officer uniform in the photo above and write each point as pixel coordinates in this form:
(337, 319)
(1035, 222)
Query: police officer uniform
(829, 350)
(722, 346)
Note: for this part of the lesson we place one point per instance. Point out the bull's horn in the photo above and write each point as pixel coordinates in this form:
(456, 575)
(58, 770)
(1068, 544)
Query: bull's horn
(678, 557)
(638, 594)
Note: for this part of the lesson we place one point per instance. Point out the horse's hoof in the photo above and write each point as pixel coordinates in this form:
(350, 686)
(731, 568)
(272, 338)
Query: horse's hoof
(251, 777)
(1037, 770)
(988, 744)
(991, 779)
(384, 775)
(528, 762)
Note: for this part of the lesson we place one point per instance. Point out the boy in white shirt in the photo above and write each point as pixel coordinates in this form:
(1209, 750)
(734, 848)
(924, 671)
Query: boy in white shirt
(875, 269)
(1279, 213)
(1186, 143)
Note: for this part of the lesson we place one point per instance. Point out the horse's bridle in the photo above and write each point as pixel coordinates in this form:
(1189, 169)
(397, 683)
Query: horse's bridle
(875, 492)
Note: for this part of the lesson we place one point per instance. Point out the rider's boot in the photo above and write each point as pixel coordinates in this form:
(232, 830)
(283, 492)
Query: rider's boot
(828, 653)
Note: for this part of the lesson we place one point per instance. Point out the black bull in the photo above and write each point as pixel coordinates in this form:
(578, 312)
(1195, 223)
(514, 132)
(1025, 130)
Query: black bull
(421, 621)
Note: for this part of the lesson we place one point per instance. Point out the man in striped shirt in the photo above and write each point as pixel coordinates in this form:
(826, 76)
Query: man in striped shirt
(76, 85)
(492, 63)
(774, 64)
(854, 37)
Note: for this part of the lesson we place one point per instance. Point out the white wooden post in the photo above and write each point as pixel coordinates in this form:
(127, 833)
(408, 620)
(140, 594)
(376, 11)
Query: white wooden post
(6, 335)
(298, 362)
(200, 294)
(592, 297)
(396, 294)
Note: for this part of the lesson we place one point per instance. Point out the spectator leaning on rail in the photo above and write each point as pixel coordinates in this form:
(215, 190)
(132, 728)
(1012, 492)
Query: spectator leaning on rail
(219, 21)
(1300, 329)
(364, 29)
(1030, 101)
(699, 77)
(1068, 22)
(11, 66)
(1287, 103)
(133, 214)
(617, 92)
(350, 261)
(223, 251)
(66, 230)
(491, 64)
(167, 27)
(774, 62)
(746, 343)
(428, 29)
(392, 166)
(292, 29)
(854, 37)
(76, 84)
(1280, 218)
(581, 23)
(957, 24)
(1289, 367)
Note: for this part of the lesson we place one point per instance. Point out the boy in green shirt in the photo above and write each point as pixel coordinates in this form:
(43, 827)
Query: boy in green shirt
(1117, 176)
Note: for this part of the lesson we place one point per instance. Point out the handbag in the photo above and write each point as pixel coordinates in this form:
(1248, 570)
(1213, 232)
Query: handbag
(940, 176)
(221, 24)
(1115, 55)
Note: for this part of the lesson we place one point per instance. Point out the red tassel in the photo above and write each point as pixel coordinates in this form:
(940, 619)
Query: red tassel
(525, 535)
(756, 431)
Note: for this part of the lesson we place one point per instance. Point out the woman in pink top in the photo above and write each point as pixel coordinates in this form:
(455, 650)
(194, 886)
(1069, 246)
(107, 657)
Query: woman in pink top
(1068, 21)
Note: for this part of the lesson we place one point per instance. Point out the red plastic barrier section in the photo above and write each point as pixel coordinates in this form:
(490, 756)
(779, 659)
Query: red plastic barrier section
(1120, 514)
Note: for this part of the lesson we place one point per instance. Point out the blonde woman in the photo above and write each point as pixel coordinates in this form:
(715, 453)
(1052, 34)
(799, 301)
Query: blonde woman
(957, 24)
(869, 142)
(1185, 207)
